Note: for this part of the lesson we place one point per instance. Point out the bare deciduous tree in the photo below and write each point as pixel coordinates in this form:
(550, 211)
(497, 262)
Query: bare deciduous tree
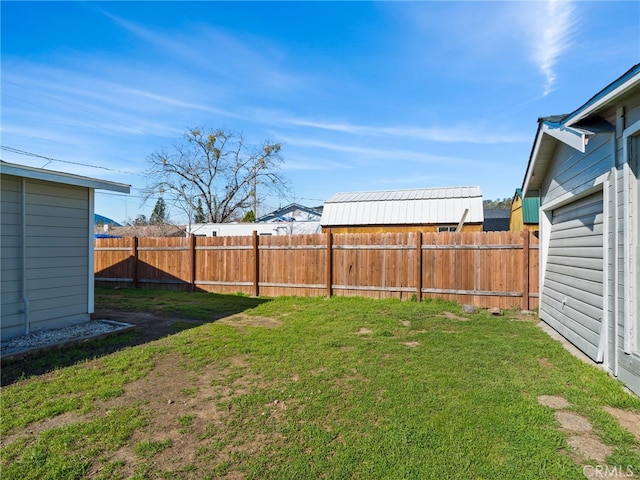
(214, 171)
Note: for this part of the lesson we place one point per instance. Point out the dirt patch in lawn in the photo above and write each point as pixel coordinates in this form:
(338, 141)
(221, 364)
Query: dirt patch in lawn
(183, 409)
(188, 412)
(242, 320)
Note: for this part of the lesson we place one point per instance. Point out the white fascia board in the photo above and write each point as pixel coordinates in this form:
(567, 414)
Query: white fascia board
(605, 100)
(61, 177)
(532, 164)
(572, 137)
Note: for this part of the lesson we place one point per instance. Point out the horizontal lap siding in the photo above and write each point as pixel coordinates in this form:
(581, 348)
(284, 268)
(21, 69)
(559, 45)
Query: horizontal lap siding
(10, 215)
(57, 249)
(57, 252)
(573, 286)
(575, 172)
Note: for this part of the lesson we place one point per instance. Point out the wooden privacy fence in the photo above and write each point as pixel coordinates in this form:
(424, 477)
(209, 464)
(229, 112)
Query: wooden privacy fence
(487, 269)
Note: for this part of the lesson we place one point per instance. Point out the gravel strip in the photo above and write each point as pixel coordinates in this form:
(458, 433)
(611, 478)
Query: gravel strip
(43, 338)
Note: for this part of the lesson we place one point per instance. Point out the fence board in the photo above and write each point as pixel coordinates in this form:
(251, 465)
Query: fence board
(486, 269)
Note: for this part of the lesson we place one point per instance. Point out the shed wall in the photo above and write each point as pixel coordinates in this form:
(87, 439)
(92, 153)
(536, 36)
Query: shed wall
(398, 228)
(56, 254)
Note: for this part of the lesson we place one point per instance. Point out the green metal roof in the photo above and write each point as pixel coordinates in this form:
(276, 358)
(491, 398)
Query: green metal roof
(530, 208)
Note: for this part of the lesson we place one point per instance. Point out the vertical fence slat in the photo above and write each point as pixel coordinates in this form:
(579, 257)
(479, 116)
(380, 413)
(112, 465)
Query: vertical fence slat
(329, 262)
(418, 272)
(525, 269)
(192, 252)
(256, 265)
(134, 261)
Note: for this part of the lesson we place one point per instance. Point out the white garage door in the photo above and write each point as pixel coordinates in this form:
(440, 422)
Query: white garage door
(572, 298)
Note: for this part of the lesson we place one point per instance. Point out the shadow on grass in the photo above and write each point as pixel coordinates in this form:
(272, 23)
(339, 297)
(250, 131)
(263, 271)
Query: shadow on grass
(153, 313)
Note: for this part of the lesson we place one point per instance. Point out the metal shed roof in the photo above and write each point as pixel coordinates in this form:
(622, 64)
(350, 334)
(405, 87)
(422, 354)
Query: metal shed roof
(404, 207)
(530, 208)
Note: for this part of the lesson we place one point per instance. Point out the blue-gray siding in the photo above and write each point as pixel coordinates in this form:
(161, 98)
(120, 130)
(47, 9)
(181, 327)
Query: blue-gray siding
(57, 255)
(572, 299)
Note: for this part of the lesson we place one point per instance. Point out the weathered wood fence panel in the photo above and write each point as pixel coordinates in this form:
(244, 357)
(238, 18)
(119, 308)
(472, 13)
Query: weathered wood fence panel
(292, 265)
(224, 264)
(374, 265)
(486, 269)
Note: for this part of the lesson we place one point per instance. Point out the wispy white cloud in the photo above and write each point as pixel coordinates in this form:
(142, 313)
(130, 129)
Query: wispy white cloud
(225, 57)
(453, 134)
(552, 29)
(358, 155)
(176, 102)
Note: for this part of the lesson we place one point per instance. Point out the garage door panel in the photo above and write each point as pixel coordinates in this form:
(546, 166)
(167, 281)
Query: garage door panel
(588, 264)
(579, 208)
(576, 252)
(587, 292)
(578, 232)
(591, 241)
(583, 223)
(585, 326)
(569, 270)
(573, 283)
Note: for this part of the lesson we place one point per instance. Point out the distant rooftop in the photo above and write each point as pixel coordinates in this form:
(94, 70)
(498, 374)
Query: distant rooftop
(444, 205)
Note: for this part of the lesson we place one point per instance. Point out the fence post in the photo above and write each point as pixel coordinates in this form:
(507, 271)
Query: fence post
(329, 263)
(256, 265)
(192, 251)
(418, 271)
(134, 261)
(525, 269)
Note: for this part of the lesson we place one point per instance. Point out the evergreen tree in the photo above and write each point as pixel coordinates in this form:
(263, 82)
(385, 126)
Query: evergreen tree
(199, 215)
(140, 220)
(249, 216)
(159, 212)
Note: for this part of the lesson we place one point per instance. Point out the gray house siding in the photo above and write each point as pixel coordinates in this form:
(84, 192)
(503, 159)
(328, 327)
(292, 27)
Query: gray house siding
(56, 255)
(585, 168)
(574, 172)
(10, 251)
(626, 250)
(572, 300)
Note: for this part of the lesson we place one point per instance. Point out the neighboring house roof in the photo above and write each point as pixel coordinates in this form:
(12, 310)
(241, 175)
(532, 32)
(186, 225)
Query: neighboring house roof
(574, 129)
(404, 207)
(104, 220)
(530, 208)
(293, 212)
(61, 177)
(105, 235)
(496, 219)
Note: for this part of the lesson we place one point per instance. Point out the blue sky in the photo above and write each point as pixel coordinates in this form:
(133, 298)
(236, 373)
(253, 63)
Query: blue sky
(362, 95)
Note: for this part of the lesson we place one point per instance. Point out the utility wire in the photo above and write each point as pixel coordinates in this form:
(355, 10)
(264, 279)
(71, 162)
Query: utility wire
(31, 154)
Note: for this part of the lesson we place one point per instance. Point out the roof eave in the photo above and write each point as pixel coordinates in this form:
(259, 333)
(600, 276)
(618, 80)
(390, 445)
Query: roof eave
(566, 130)
(62, 177)
(606, 96)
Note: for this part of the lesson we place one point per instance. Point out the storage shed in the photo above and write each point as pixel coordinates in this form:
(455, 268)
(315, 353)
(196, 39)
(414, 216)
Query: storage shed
(425, 210)
(47, 229)
(584, 167)
(524, 213)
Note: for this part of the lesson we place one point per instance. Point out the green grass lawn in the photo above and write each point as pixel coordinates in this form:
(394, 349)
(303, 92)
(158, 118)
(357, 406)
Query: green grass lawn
(297, 388)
